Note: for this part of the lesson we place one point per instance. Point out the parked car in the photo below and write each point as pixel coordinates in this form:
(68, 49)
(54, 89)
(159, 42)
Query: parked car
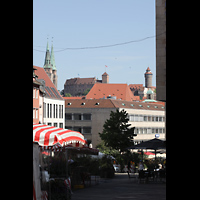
(116, 167)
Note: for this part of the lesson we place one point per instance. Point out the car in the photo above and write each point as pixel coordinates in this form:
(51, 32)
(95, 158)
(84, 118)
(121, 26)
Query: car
(116, 167)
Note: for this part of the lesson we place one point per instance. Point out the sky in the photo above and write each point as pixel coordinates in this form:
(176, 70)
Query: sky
(94, 23)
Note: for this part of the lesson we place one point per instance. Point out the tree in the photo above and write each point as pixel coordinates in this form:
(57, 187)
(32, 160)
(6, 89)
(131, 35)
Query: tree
(68, 95)
(116, 133)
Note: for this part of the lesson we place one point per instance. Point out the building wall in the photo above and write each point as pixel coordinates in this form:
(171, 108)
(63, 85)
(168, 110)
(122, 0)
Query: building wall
(35, 104)
(161, 50)
(49, 119)
(152, 127)
(99, 116)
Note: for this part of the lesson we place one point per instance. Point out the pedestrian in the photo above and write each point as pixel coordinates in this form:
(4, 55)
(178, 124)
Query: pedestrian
(140, 165)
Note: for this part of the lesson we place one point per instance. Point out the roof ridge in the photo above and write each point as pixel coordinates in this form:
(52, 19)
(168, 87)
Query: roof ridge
(112, 102)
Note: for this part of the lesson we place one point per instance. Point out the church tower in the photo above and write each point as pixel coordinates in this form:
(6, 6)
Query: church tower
(50, 66)
(53, 65)
(148, 78)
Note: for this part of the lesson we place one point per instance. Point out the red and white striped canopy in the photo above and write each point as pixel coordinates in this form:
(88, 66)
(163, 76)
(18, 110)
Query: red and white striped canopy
(49, 135)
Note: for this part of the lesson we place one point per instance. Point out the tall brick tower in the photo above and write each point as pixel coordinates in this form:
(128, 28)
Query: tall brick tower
(148, 78)
(105, 78)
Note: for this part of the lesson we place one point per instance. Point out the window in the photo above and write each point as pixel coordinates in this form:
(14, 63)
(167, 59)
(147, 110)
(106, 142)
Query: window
(59, 111)
(131, 118)
(156, 119)
(77, 128)
(149, 118)
(62, 112)
(86, 116)
(149, 131)
(86, 130)
(36, 96)
(54, 109)
(48, 110)
(145, 118)
(77, 116)
(44, 110)
(160, 119)
(55, 124)
(33, 92)
(60, 125)
(68, 116)
(36, 113)
(33, 113)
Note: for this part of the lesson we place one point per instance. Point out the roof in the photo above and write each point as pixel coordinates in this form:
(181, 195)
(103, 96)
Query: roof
(80, 81)
(148, 71)
(104, 74)
(81, 97)
(50, 89)
(103, 90)
(135, 86)
(149, 91)
(111, 103)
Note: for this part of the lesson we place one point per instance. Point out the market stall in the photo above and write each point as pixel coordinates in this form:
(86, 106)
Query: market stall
(49, 139)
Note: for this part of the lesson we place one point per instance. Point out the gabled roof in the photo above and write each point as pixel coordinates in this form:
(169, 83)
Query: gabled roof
(103, 90)
(50, 89)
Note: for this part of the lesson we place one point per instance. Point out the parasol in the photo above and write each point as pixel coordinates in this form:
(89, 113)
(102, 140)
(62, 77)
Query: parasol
(47, 135)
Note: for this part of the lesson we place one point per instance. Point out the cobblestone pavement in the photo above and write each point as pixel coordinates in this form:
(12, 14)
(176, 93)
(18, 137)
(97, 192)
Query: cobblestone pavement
(121, 187)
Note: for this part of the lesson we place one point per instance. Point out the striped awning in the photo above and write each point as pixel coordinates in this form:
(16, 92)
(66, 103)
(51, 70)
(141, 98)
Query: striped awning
(49, 135)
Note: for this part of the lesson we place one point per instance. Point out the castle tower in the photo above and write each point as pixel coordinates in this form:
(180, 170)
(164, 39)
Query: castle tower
(148, 78)
(105, 78)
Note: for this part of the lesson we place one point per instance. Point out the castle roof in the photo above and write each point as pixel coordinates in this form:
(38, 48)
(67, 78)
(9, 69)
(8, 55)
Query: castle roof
(80, 81)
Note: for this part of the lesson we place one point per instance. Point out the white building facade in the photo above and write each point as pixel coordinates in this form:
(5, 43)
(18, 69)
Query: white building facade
(53, 112)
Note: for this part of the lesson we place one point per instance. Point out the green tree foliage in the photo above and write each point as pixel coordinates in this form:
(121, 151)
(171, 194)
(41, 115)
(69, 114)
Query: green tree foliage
(116, 133)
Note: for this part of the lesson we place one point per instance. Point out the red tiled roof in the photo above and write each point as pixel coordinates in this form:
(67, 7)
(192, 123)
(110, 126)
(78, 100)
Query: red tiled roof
(50, 88)
(121, 91)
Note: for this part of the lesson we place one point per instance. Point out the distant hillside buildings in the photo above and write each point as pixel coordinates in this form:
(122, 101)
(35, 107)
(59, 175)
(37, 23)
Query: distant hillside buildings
(103, 89)
(79, 86)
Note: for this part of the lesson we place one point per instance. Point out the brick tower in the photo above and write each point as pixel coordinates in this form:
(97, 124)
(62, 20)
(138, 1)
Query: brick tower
(148, 78)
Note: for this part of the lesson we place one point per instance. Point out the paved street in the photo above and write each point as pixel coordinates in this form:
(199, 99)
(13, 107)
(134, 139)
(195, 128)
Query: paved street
(121, 187)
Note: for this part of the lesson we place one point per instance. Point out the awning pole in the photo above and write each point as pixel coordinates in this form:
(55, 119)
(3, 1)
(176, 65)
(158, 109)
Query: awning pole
(66, 155)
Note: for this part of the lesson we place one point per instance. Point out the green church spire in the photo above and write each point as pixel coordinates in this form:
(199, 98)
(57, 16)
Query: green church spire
(47, 61)
(53, 64)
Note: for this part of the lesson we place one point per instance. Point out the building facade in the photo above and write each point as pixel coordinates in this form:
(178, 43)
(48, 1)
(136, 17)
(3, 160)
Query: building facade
(79, 86)
(89, 115)
(53, 104)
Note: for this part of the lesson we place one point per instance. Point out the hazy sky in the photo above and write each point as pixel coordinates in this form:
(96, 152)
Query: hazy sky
(94, 23)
